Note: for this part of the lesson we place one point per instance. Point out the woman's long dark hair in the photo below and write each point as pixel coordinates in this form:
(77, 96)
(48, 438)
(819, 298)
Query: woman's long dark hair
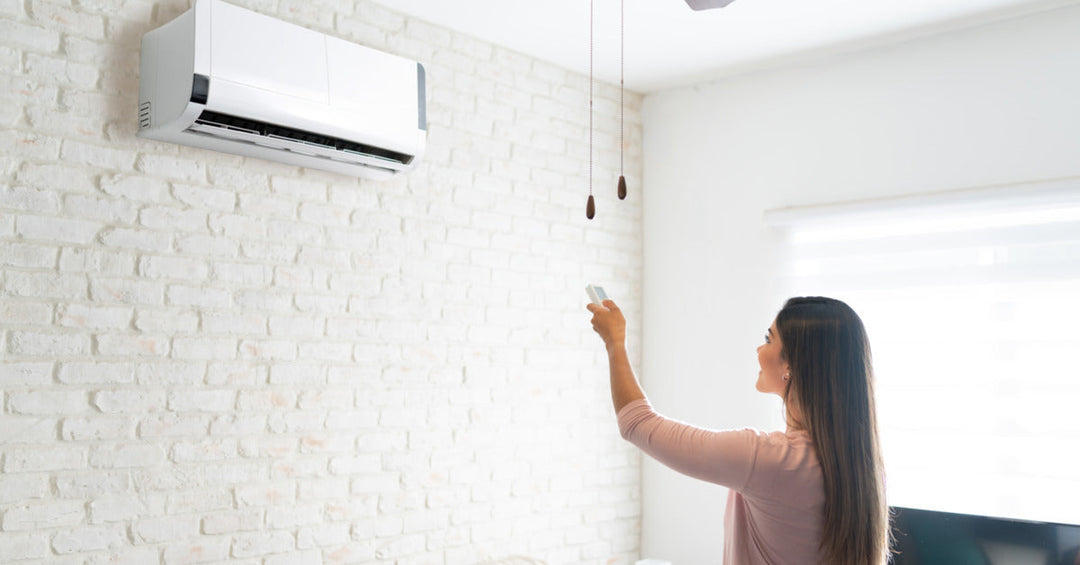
(831, 385)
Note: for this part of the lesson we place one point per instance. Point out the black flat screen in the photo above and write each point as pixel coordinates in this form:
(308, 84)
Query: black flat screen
(925, 537)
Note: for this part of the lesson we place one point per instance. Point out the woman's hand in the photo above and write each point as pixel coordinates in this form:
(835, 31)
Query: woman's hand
(608, 321)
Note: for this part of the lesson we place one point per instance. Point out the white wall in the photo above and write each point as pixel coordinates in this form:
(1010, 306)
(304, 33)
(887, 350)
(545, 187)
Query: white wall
(995, 104)
(210, 359)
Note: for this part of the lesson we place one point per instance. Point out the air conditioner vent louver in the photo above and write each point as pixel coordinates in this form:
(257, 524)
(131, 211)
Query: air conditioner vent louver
(245, 125)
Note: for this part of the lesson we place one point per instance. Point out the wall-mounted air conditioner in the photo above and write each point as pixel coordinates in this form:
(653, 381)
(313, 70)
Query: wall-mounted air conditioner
(232, 80)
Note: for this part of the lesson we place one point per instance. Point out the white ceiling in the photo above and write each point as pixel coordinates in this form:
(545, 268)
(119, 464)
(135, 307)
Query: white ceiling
(668, 45)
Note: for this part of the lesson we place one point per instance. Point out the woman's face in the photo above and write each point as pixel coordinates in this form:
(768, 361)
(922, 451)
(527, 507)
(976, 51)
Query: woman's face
(773, 367)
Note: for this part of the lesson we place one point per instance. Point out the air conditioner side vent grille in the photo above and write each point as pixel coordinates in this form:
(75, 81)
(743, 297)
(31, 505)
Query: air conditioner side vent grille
(217, 119)
(144, 115)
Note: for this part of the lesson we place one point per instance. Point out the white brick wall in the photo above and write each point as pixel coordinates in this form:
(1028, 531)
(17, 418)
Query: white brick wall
(209, 359)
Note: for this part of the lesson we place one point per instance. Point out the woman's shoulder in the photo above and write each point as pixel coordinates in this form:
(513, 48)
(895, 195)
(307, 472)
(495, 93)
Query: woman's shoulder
(790, 447)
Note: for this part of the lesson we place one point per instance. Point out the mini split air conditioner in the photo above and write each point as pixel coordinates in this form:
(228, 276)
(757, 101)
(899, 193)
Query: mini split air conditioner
(232, 80)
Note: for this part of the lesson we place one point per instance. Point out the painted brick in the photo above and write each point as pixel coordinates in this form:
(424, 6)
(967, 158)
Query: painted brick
(207, 246)
(126, 291)
(30, 36)
(268, 350)
(181, 268)
(288, 518)
(173, 219)
(97, 428)
(205, 198)
(93, 317)
(296, 326)
(28, 429)
(199, 501)
(23, 546)
(263, 400)
(29, 200)
(174, 425)
(114, 456)
(266, 494)
(246, 275)
(96, 373)
(14, 374)
(81, 75)
(169, 373)
(43, 516)
(305, 468)
(23, 487)
(92, 484)
(219, 374)
(43, 402)
(294, 422)
(132, 345)
(294, 558)
(307, 375)
(29, 145)
(234, 324)
(202, 400)
(78, 232)
(227, 522)
(205, 550)
(159, 321)
(94, 155)
(105, 210)
(47, 285)
(126, 556)
(171, 167)
(52, 15)
(138, 239)
(326, 536)
(203, 297)
(96, 261)
(129, 401)
(136, 188)
(89, 538)
(276, 447)
(164, 529)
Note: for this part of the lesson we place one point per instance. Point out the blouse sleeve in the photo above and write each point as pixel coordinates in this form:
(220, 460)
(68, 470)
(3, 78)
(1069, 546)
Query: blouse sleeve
(722, 457)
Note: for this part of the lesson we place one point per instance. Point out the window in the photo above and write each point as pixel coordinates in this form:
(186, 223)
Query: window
(972, 303)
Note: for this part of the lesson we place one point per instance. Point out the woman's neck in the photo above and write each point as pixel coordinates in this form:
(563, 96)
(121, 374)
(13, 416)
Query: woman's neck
(793, 418)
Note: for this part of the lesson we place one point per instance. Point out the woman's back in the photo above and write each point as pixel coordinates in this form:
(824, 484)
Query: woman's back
(776, 519)
(775, 508)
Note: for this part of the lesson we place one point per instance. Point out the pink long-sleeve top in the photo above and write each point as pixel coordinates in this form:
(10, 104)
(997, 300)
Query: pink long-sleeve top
(775, 506)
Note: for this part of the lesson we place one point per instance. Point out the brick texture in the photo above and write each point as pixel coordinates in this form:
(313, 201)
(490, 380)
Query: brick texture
(211, 359)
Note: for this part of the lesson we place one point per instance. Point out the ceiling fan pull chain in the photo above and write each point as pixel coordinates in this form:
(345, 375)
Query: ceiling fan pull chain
(590, 204)
(622, 103)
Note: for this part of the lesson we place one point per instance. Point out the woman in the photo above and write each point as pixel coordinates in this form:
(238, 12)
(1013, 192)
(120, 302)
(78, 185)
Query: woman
(814, 494)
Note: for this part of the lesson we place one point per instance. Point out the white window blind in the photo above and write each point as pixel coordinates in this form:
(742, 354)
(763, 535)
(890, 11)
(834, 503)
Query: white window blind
(972, 303)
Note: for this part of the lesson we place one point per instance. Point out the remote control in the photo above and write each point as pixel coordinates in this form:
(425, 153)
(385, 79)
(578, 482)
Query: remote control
(596, 294)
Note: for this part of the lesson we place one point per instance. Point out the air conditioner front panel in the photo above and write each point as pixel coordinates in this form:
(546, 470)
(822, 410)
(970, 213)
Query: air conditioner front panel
(268, 54)
(356, 75)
